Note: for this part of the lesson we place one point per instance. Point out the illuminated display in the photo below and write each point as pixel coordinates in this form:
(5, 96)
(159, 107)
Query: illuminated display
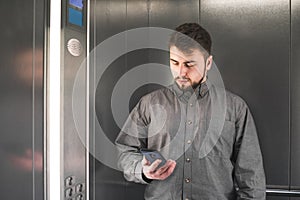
(76, 3)
(75, 17)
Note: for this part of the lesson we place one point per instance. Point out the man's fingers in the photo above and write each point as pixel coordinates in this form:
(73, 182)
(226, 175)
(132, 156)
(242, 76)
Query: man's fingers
(171, 168)
(165, 171)
(164, 168)
(162, 173)
(145, 161)
(154, 165)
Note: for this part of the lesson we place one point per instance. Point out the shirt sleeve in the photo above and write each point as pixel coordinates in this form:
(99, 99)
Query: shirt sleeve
(249, 172)
(132, 137)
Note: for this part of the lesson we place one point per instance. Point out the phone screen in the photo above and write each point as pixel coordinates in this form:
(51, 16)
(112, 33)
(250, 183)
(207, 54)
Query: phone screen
(152, 155)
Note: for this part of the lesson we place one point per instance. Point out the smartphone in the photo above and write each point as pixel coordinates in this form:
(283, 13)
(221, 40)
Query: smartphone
(152, 155)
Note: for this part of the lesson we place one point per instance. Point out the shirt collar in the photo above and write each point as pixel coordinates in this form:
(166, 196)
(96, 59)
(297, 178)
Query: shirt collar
(200, 91)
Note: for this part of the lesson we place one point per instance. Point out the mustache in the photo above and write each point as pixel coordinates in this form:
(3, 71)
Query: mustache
(182, 78)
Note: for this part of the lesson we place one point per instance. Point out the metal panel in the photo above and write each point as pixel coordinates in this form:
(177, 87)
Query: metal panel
(251, 49)
(21, 104)
(278, 198)
(109, 19)
(170, 13)
(73, 72)
(295, 95)
(39, 53)
(137, 16)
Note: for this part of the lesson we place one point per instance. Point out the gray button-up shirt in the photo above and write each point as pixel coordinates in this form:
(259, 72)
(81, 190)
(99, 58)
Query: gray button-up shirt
(212, 139)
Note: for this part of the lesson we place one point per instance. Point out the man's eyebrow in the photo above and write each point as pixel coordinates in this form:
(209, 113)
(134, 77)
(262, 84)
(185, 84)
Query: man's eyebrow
(190, 62)
(186, 62)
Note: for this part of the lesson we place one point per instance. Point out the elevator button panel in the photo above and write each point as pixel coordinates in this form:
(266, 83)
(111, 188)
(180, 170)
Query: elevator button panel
(73, 190)
(80, 187)
(69, 181)
(69, 192)
(79, 197)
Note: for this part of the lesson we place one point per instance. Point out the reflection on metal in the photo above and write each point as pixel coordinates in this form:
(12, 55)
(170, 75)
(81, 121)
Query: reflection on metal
(251, 32)
(277, 192)
(73, 153)
(53, 102)
(74, 47)
(295, 94)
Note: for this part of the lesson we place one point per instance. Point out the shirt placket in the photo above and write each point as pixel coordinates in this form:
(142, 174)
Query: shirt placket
(189, 136)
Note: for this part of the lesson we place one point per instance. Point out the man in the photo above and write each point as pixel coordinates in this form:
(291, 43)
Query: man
(182, 122)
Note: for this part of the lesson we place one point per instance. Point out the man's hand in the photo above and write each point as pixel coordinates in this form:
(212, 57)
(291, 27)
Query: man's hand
(161, 173)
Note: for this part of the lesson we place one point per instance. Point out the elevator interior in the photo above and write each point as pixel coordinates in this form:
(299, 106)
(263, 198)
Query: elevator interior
(255, 46)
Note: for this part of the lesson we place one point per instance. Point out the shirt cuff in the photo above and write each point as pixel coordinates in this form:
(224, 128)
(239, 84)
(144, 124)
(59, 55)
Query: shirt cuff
(140, 175)
(146, 179)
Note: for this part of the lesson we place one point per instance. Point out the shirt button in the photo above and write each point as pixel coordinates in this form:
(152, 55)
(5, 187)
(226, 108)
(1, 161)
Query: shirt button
(188, 160)
(190, 122)
(187, 180)
(189, 141)
(191, 104)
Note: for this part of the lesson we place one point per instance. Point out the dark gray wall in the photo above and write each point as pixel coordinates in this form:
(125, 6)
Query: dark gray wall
(256, 48)
(21, 102)
(295, 95)
(252, 50)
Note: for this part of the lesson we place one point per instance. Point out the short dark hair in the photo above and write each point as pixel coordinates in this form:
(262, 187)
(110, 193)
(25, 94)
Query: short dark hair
(195, 32)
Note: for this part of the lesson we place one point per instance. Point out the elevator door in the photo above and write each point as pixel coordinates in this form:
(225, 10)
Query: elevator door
(22, 99)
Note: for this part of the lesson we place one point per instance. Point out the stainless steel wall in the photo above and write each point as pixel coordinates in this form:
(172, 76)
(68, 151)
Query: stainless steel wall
(256, 48)
(109, 18)
(21, 102)
(252, 50)
(295, 95)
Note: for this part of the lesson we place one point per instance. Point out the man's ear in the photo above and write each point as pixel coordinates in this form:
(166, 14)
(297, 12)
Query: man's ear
(209, 62)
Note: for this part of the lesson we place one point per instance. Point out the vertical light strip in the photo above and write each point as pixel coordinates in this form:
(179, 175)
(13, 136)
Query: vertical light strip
(93, 117)
(87, 98)
(33, 98)
(54, 102)
(290, 98)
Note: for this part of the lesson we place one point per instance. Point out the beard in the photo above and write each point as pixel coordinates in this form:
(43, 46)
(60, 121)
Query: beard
(185, 82)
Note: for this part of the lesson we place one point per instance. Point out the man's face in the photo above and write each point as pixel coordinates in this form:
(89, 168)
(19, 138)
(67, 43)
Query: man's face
(188, 69)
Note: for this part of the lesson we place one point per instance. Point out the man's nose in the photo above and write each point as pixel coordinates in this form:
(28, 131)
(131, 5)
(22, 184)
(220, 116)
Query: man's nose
(182, 69)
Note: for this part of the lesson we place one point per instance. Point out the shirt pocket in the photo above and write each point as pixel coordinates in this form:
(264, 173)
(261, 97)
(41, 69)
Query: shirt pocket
(225, 143)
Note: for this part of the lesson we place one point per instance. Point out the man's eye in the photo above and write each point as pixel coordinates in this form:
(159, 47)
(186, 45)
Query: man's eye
(188, 65)
(174, 63)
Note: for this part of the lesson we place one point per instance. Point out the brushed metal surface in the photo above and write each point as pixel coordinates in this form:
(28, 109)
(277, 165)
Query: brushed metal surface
(251, 49)
(171, 13)
(73, 138)
(277, 198)
(21, 102)
(109, 18)
(277, 192)
(294, 198)
(295, 95)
